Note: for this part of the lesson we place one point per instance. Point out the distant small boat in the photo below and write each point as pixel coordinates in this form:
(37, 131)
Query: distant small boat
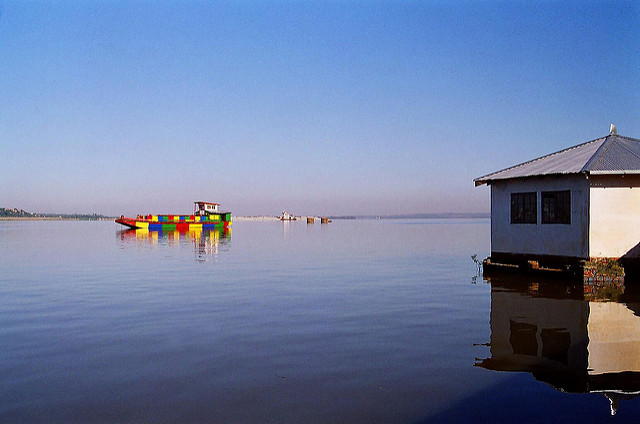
(206, 216)
(286, 216)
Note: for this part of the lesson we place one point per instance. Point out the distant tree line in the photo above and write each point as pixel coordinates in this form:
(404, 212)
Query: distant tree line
(20, 213)
(16, 213)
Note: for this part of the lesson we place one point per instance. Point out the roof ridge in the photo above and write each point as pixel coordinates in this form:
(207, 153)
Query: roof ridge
(626, 138)
(606, 145)
(622, 146)
(595, 158)
(544, 157)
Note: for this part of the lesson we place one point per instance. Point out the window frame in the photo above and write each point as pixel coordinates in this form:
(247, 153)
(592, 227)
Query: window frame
(524, 208)
(555, 207)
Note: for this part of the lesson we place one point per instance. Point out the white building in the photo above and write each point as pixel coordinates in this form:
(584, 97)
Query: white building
(576, 204)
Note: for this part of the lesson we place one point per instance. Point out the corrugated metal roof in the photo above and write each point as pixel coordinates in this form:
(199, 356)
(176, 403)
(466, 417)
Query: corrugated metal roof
(612, 154)
(618, 154)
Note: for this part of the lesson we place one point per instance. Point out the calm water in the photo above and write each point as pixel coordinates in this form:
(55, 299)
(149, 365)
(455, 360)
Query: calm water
(353, 322)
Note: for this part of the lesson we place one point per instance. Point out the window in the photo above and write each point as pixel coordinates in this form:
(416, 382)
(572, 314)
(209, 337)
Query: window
(556, 207)
(524, 208)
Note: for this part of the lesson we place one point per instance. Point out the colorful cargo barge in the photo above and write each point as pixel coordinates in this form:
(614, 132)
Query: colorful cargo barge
(206, 216)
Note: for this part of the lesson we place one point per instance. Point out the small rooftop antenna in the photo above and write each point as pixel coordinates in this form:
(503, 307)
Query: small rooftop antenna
(613, 130)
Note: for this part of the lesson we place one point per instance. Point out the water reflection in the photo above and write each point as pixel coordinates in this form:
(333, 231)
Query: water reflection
(206, 243)
(579, 338)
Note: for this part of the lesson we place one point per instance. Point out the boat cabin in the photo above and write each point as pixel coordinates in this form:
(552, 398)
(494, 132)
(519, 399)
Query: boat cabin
(205, 208)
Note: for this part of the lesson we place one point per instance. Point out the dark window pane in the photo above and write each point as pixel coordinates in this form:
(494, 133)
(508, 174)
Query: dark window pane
(524, 208)
(556, 207)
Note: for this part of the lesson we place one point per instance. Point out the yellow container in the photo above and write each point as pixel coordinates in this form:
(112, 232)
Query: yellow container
(195, 227)
(154, 218)
(142, 225)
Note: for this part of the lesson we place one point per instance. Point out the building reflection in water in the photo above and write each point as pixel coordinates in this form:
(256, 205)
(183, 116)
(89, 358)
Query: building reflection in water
(579, 338)
(206, 243)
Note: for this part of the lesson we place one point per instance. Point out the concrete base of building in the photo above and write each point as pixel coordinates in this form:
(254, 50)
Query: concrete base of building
(588, 270)
(531, 267)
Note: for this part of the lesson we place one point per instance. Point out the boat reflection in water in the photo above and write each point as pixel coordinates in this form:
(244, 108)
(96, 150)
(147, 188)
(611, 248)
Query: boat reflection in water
(206, 243)
(579, 338)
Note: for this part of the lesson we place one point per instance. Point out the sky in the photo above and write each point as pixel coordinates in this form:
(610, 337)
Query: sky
(327, 108)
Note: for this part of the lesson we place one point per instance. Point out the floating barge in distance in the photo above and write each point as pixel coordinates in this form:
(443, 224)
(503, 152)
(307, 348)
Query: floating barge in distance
(206, 216)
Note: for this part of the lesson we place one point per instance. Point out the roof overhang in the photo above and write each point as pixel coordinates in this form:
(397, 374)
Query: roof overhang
(630, 172)
(483, 180)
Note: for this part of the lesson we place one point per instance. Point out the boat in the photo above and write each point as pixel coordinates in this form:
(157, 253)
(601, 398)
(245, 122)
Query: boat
(286, 216)
(206, 216)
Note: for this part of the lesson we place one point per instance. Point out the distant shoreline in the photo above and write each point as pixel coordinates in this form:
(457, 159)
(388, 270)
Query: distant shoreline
(29, 218)
(255, 218)
(449, 215)
(369, 217)
(273, 218)
(50, 218)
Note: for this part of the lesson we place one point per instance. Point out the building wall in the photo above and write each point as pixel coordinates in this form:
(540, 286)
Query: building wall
(614, 226)
(563, 240)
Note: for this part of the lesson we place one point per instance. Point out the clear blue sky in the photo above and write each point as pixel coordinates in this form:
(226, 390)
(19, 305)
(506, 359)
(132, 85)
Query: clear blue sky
(338, 107)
